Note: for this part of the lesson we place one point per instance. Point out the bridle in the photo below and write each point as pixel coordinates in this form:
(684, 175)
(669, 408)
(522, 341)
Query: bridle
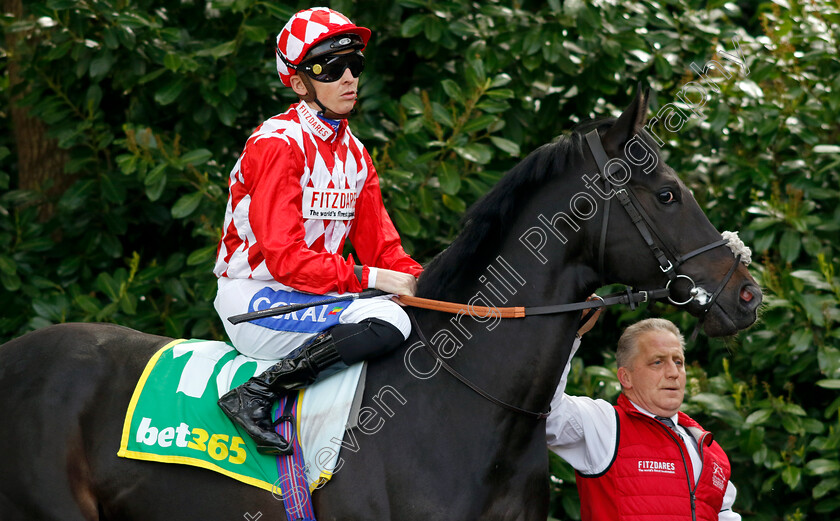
(668, 260)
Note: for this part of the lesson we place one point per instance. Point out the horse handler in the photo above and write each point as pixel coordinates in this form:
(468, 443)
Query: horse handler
(642, 458)
(303, 184)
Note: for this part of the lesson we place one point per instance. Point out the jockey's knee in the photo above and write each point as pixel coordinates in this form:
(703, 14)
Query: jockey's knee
(367, 339)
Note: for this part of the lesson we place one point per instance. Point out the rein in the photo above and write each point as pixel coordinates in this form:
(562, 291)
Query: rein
(628, 297)
(461, 378)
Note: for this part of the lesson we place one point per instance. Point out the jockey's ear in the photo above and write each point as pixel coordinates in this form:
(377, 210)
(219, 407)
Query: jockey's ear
(298, 86)
(629, 123)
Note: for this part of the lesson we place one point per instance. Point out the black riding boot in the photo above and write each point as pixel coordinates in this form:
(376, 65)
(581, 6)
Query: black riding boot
(249, 405)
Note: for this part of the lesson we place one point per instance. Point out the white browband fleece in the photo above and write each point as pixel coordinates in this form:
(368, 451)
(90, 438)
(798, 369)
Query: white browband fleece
(738, 247)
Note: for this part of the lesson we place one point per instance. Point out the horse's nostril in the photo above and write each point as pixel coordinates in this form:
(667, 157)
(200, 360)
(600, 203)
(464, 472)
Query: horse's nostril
(746, 296)
(750, 297)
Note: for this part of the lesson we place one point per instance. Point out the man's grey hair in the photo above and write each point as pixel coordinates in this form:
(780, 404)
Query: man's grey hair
(628, 342)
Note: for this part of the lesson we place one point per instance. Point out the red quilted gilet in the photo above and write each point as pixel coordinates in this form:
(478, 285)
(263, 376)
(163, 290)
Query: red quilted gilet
(651, 478)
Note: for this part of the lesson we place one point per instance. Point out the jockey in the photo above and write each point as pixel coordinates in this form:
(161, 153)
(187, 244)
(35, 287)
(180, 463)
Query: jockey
(303, 184)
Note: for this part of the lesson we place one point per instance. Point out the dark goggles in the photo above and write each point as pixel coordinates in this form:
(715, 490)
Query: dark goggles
(330, 67)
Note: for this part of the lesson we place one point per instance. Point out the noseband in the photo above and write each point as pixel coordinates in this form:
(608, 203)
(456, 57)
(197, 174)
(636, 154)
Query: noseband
(668, 260)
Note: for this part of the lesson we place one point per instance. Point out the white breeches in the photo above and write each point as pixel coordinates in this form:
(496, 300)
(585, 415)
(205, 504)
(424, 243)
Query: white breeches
(273, 338)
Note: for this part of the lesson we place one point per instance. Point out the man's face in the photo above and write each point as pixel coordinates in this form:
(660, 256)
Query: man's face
(655, 379)
(339, 96)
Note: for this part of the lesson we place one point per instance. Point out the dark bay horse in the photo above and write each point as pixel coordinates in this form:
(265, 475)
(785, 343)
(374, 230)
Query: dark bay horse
(437, 450)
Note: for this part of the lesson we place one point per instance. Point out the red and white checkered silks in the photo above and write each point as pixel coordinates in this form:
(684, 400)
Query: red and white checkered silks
(305, 29)
(265, 235)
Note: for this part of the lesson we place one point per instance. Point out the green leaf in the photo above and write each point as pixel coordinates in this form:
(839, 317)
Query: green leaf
(479, 123)
(407, 223)
(100, 65)
(475, 73)
(196, 157)
(10, 282)
(454, 203)
(822, 466)
(128, 304)
(830, 383)
(827, 149)
(151, 76)
(202, 256)
(501, 93)
(450, 180)
(790, 245)
(792, 408)
(475, 152)
(825, 486)
(453, 90)
(127, 163)
(227, 113)
(107, 285)
(186, 205)
(791, 476)
(254, 33)
(758, 417)
(219, 51)
(155, 182)
(172, 61)
(93, 98)
(427, 204)
(751, 89)
(505, 144)
(412, 26)
(663, 68)
(412, 103)
(170, 92)
(441, 115)
(500, 80)
(433, 28)
(7, 265)
(112, 189)
(87, 303)
(227, 82)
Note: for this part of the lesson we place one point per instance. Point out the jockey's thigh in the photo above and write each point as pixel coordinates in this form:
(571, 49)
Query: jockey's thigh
(275, 337)
(382, 308)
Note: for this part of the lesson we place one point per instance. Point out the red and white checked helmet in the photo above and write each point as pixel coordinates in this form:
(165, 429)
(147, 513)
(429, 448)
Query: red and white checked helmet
(305, 29)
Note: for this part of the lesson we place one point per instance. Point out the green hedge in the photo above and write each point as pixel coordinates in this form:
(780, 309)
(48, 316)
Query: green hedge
(152, 103)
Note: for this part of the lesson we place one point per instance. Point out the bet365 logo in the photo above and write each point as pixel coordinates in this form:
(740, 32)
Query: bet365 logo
(218, 446)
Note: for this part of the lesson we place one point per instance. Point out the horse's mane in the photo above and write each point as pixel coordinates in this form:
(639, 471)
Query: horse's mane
(484, 224)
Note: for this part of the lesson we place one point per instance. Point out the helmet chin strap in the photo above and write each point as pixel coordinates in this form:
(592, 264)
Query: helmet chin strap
(311, 96)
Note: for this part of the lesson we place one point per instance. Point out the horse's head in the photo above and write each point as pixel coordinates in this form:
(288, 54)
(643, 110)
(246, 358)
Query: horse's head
(657, 235)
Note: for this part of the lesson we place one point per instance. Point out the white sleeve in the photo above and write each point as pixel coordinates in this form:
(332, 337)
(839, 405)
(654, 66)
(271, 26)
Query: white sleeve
(581, 430)
(726, 513)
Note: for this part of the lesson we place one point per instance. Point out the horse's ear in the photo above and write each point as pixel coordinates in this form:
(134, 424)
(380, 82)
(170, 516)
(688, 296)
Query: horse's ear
(629, 123)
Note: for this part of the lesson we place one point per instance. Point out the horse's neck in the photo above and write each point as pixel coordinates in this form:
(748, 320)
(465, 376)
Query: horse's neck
(519, 361)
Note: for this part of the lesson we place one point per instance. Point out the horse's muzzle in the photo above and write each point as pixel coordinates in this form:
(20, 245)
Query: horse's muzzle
(734, 310)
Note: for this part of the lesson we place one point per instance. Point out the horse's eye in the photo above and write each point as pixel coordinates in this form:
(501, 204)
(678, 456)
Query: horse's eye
(666, 197)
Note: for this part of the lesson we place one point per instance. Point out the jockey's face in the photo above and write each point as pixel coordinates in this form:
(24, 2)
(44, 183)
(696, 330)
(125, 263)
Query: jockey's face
(655, 378)
(339, 96)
